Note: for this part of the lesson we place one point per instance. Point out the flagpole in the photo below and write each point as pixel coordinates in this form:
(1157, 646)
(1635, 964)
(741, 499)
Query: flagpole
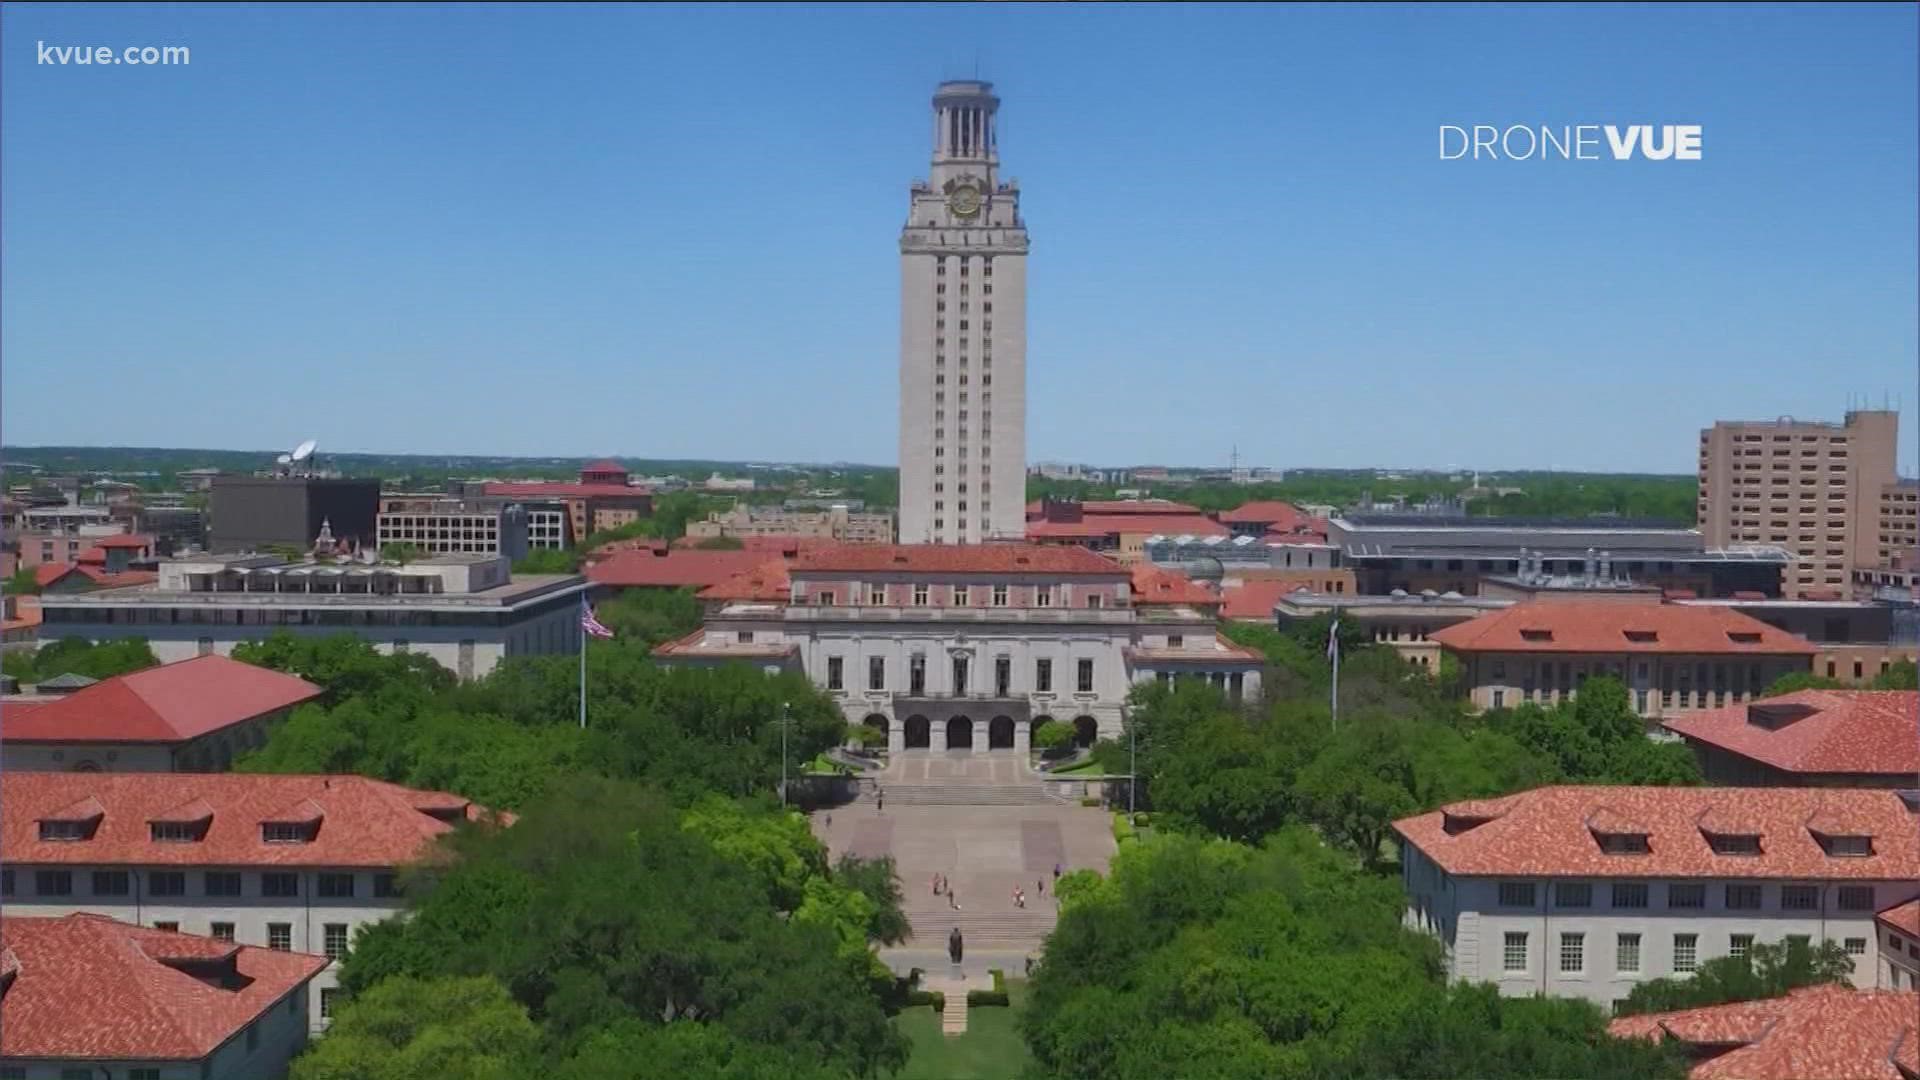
(584, 610)
(1333, 648)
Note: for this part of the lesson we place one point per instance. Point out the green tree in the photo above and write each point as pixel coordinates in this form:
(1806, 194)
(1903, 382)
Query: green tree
(1902, 675)
(649, 617)
(1766, 971)
(1797, 681)
(1053, 735)
(79, 656)
(408, 1028)
(402, 553)
(22, 582)
(633, 1050)
(547, 561)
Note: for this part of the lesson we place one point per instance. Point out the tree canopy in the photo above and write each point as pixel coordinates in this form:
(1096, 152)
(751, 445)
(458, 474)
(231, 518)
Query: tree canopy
(79, 656)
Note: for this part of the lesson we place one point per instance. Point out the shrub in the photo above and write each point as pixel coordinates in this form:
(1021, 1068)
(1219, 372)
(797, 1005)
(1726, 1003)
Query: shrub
(1053, 735)
(995, 996)
(1091, 800)
(1123, 829)
(934, 998)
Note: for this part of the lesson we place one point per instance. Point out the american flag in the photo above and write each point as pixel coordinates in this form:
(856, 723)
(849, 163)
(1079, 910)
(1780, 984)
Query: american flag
(589, 624)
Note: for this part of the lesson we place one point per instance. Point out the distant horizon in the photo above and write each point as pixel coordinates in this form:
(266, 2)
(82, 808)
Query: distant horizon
(325, 452)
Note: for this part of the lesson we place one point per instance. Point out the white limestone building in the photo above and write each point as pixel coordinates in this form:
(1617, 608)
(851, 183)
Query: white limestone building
(963, 334)
(1589, 891)
(973, 648)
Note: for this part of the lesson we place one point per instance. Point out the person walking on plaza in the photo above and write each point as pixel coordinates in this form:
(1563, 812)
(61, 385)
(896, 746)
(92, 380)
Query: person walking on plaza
(1056, 873)
(879, 800)
(936, 884)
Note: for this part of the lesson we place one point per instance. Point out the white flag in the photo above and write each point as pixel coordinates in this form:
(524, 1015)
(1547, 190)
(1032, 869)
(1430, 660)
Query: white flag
(1333, 640)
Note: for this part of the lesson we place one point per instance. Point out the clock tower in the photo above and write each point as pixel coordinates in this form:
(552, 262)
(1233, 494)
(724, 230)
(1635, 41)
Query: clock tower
(963, 334)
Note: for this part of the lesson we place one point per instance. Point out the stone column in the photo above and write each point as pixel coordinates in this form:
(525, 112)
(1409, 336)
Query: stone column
(980, 736)
(1022, 737)
(937, 734)
(896, 736)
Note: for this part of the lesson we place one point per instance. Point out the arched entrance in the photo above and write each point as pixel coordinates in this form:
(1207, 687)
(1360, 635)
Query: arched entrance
(960, 733)
(1000, 733)
(1085, 730)
(878, 723)
(919, 733)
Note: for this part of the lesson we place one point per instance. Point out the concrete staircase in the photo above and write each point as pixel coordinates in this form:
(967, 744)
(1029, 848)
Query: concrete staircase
(954, 1020)
(993, 925)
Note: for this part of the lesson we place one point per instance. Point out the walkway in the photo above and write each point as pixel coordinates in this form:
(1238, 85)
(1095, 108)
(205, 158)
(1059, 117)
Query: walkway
(988, 824)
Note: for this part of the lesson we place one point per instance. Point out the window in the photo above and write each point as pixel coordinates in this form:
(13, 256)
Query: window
(222, 931)
(1043, 676)
(1686, 896)
(1630, 894)
(999, 596)
(166, 883)
(1516, 894)
(336, 886)
(1854, 898)
(65, 830)
(1573, 953)
(1624, 843)
(1043, 596)
(111, 883)
(174, 832)
(280, 936)
(1856, 946)
(336, 940)
(1686, 952)
(1848, 847)
(1514, 953)
(1799, 897)
(1739, 944)
(917, 674)
(386, 886)
(53, 882)
(876, 596)
(1175, 641)
(834, 666)
(919, 596)
(221, 883)
(279, 884)
(1743, 897)
(168, 925)
(285, 832)
(1093, 601)
(326, 1001)
(6, 883)
(876, 673)
(960, 595)
(1733, 845)
(1626, 954)
(1002, 676)
(1573, 894)
(1085, 681)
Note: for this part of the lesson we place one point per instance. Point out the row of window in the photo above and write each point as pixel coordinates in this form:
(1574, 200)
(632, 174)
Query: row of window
(917, 674)
(1515, 957)
(1685, 895)
(215, 883)
(956, 596)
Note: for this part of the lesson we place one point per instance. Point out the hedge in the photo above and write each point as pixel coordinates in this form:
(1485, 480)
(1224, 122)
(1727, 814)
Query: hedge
(995, 996)
(1123, 829)
(930, 997)
(1091, 800)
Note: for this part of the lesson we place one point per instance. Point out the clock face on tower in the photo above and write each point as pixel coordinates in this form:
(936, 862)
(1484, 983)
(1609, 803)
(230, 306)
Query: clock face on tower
(964, 200)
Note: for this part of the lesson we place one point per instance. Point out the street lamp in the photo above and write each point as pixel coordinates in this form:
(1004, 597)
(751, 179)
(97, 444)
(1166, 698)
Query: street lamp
(1133, 763)
(786, 718)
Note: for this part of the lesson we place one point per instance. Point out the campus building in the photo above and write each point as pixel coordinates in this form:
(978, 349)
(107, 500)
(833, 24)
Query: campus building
(255, 513)
(1573, 891)
(603, 499)
(445, 525)
(837, 523)
(194, 715)
(1672, 658)
(89, 996)
(1824, 1031)
(289, 863)
(467, 612)
(963, 334)
(948, 648)
(1818, 490)
(1811, 738)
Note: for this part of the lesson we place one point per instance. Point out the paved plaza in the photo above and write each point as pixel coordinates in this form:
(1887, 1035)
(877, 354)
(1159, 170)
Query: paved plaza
(986, 822)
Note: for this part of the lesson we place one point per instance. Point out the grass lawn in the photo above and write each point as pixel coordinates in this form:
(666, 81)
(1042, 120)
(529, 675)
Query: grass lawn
(824, 764)
(990, 1050)
(1089, 767)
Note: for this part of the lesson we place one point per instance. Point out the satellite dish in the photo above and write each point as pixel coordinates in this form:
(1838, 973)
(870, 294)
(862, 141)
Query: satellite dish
(304, 450)
(284, 459)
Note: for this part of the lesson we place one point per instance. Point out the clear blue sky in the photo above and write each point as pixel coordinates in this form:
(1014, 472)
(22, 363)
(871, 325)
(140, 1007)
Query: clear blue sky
(672, 232)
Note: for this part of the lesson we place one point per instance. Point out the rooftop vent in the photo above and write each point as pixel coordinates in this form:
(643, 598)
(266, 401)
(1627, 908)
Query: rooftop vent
(1774, 715)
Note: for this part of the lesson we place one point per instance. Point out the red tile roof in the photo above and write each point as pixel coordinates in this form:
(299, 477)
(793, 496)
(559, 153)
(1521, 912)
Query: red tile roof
(695, 646)
(167, 704)
(1099, 525)
(1551, 832)
(674, 569)
(85, 986)
(46, 574)
(1815, 1033)
(767, 583)
(1571, 626)
(1273, 513)
(991, 558)
(1863, 732)
(364, 823)
(1252, 600)
(1152, 585)
(26, 614)
(789, 546)
(1905, 918)
(561, 489)
(603, 465)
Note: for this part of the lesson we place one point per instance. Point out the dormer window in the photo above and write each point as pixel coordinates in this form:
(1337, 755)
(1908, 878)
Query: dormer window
(1774, 715)
(176, 832)
(1743, 637)
(66, 831)
(1733, 844)
(1623, 843)
(1847, 847)
(1642, 637)
(286, 832)
(1536, 635)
